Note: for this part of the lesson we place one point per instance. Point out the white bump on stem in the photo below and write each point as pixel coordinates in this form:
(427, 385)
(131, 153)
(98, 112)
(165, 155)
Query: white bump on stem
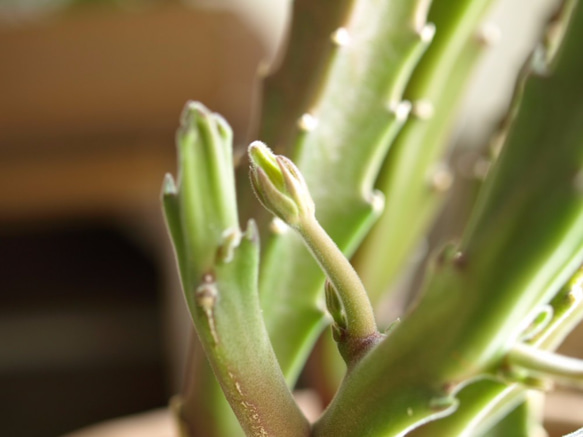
(401, 109)
(307, 122)
(489, 34)
(423, 109)
(377, 200)
(441, 179)
(427, 32)
(341, 37)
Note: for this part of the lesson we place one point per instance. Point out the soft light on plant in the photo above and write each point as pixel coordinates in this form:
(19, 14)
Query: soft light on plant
(461, 359)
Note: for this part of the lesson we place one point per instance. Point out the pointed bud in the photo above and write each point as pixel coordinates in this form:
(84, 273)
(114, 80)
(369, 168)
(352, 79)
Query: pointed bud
(334, 305)
(279, 185)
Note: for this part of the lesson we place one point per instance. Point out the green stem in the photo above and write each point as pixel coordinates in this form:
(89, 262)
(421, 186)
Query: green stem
(524, 240)
(413, 196)
(219, 271)
(546, 363)
(359, 313)
(483, 403)
(202, 408)
(281, 189)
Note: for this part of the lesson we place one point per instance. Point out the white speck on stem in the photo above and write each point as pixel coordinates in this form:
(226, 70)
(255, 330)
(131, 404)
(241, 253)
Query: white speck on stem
(427, 32)
(341, 37)
(307, 122)
(377, 201)
(489, 34)
(401, 109)
(423, 109)
(441, 179)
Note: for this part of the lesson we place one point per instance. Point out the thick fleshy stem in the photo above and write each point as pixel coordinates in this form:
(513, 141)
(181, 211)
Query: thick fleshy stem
(219, 265)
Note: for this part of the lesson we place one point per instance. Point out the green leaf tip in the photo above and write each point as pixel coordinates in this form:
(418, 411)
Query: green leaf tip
(262, 157)
(169, 186)
(252, 232)
(205, 209)
(191, 110)
(195, 111)
(279, 185)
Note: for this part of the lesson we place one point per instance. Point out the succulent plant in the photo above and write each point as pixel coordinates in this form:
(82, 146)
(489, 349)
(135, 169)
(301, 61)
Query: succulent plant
(357, 116)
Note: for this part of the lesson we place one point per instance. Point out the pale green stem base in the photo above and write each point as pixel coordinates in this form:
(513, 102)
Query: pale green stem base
(547, 363)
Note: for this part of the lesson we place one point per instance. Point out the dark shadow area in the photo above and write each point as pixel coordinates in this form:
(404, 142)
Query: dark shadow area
(80, 329)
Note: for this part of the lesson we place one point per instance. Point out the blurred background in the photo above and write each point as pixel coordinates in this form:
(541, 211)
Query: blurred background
(92, 322)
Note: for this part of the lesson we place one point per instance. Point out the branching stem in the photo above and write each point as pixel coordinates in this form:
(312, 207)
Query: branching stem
(547, 363)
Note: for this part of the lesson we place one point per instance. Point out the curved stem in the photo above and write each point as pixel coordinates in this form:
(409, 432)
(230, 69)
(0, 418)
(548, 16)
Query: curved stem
(547, 363)
(281, 189)
(360, 321)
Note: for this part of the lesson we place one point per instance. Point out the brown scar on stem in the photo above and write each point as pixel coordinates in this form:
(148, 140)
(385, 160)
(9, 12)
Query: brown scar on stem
(206, 297)
(250, 409)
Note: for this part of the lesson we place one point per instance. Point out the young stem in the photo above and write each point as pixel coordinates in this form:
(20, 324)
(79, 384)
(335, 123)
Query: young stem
(360, 321)
(281, 189)
(547, 363)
